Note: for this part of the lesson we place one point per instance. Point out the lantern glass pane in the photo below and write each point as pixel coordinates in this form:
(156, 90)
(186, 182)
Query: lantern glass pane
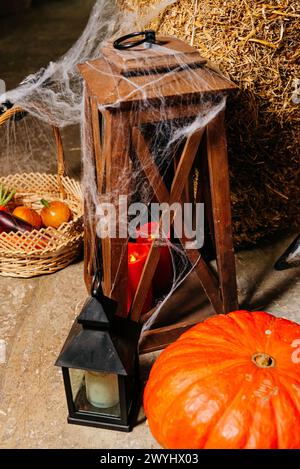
(77, 381)
(95, 392)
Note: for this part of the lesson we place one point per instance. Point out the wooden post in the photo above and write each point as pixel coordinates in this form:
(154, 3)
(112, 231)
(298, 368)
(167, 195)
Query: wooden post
(116, 147)
(221, 207)
(89, 212)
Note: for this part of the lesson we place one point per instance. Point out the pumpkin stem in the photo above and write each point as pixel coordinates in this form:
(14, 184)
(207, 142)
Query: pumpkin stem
(263, 360)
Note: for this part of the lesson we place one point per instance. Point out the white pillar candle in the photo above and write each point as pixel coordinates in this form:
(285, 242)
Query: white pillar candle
(102, 389)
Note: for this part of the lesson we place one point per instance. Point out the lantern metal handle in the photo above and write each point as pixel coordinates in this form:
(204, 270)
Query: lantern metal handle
(148, 36)
(96, 290)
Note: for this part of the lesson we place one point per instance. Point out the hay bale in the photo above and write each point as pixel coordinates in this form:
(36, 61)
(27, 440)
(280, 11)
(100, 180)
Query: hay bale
(255, 44)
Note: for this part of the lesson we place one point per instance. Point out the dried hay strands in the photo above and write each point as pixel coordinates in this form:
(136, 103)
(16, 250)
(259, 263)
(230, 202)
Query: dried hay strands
(256, 44)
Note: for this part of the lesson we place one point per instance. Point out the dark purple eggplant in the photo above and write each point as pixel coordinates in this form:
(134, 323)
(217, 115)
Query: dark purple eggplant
(10, 223)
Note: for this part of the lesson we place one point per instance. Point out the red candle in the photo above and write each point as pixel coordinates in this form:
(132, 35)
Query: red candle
(163, 278)
(137, 256)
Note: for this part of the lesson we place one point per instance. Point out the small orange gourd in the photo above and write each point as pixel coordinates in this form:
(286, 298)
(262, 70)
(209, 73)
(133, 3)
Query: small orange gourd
(29, 215)
(55, 213)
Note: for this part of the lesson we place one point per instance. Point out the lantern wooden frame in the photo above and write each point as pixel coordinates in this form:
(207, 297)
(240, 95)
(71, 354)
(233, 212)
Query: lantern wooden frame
(112, 157)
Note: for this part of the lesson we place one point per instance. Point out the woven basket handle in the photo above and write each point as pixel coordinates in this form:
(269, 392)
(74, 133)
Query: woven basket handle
(60, 161)
(59, 147)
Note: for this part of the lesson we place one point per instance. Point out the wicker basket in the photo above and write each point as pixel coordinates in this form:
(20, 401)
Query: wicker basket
(47, 250)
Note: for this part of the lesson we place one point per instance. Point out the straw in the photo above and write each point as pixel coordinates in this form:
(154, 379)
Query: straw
(255, 44)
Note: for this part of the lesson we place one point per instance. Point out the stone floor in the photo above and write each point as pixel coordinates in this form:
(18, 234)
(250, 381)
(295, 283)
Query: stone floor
(36, 314)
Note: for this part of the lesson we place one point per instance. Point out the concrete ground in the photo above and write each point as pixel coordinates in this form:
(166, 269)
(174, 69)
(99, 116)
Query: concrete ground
(36, 314)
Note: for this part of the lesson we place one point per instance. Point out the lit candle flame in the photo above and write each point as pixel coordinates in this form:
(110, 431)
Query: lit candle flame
(132, 258)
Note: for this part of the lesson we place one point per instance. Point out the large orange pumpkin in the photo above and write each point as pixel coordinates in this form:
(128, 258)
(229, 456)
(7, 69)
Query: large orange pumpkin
(232, 381)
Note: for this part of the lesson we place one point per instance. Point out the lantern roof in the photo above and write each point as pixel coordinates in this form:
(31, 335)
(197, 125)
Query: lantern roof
(97, 314)
(100, 341)
(169, 68)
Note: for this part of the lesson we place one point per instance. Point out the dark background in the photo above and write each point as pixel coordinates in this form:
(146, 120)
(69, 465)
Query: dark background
(33, 32)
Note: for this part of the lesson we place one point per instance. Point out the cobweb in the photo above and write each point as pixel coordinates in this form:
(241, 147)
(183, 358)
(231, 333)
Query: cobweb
(55, 96)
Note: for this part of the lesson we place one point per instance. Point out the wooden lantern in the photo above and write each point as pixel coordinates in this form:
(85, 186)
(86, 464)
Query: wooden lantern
(116, 112)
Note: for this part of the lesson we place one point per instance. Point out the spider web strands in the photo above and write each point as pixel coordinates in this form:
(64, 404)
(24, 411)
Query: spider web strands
(56, 95)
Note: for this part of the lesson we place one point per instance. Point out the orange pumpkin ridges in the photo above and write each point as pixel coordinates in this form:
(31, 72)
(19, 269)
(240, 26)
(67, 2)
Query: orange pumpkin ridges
(232, 381)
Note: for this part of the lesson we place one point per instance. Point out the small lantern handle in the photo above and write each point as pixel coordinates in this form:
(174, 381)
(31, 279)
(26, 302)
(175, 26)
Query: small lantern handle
(148, 36)
(96, 288)
(108, 304)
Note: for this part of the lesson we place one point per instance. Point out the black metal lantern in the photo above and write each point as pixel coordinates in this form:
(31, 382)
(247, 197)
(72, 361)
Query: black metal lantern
(99, 361)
